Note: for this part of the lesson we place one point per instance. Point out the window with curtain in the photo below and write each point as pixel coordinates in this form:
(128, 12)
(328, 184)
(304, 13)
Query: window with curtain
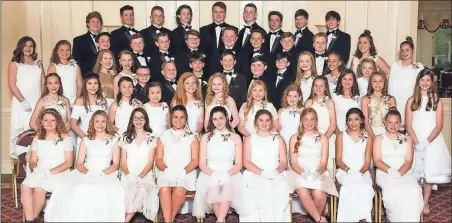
(443, 48)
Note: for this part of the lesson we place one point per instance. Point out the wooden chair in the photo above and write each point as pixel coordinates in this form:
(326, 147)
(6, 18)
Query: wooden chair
(20, 165)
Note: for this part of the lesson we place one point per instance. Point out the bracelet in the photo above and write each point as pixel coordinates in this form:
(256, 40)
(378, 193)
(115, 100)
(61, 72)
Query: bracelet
(347, 169)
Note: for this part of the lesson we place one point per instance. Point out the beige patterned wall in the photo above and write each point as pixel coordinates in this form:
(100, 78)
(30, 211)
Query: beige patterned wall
(49, 21)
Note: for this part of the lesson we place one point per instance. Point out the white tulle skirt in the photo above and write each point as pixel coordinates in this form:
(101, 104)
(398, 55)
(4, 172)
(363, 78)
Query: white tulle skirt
(141, 196)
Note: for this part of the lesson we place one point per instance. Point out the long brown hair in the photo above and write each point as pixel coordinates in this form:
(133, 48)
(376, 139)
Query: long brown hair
(432, 94)
(60, 126)
(98, 66)
(210, 95)
(290, 88)
(327, 87)
(46, 90)
(91, 133)
(55, 59)
(85, 95)
(249, 97)
(300, 72)
(18, 53)
(211, 127)
(300, 132)
(181, 97)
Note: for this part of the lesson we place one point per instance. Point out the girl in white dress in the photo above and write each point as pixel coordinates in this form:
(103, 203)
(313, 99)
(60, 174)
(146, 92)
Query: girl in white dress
(308, 160)
(126, 69)
(52, 97)
(51, 156)
(66, 67)
(393, 156)
(256, 100)
(366, 68)
(188, 94)
(402, 78)
(335, 66)
(85, 105)
(25, 81)
(347, 96)
(105, 66)
(320, 101)
(266, 191)
(424, 122)
(137, 162)
(92, 192)
(306, 72)
(218, 95)
(289, 114)
(353, 154)
(120, 110)
(176, 158)
(366, 49)
(157, 110)
(219, 184)
(376, 104)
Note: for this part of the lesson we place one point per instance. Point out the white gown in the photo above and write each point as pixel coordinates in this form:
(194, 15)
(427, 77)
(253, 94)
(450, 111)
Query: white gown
(363, 84)
(123, 112)
(213, 105)
(68, 74)
(194, 110)
(305, 87)
(402, 197)
(342, 105)
(220, 157)
(249, 119)
(29, 84)
(140, 196)
(289, 121)
(356, 194)
(50, 154)
(89, 199)
(266, 200)
(402, 80)
(433, 164)
(158, 117)
(332, 83)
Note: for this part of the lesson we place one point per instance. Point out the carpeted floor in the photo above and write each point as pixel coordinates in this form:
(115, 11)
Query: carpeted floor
(440, 206)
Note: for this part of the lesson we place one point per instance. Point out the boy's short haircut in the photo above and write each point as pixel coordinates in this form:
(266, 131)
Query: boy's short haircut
(192, 57)
(257, 59)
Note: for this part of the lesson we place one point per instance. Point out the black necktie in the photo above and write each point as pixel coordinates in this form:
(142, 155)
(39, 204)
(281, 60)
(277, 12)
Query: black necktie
(138, 54)
(93, 35)
(194, 51)
(159, 29)
(331, 32)
(319, 55)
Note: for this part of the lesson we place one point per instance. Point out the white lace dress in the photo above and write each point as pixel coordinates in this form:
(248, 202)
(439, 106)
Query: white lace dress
(266, 200)
(342, 105)
(220, 157)
(140, 196)
(29, 84)
(68, 74)
(249, 119)
(158, 117)
(433, 164)
(356, 192)
(84, 198)
(402, 197)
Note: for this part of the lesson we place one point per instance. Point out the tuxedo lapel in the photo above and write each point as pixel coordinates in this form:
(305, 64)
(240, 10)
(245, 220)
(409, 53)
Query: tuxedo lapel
(275, 44)
(91, 43)
(333, 40)
(170, 88)
(127, 33)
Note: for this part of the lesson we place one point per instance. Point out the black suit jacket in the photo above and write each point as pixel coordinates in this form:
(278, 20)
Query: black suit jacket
(84, 52)
(183, 63)
(177, 39)
(305, 43)
(213, 60)
(276, 45)
(245, 57)
(209, 38)
(149, 38)
(156, 65)
(239, 44)
(120, 40)
(341, 44)
(278, 90)
(238, 89)
(168, 91)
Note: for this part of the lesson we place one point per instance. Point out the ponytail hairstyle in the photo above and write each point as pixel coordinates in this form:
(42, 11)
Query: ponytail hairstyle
(408, 41)
(300, 131)
(372, 50)
(433, 98)
(393, 111)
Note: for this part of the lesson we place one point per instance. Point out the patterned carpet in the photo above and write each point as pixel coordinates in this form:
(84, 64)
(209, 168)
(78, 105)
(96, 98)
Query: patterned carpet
(440, 209)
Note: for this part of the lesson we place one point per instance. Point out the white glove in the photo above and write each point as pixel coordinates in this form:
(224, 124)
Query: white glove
(25, 105)
(317, 175)
(270, 174)
(220, 177)
(305, 174)
(421, 146)
(393, 173)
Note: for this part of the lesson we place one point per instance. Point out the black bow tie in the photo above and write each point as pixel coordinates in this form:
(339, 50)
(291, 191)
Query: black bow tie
(279, 75)
(187, 27)
(273, 33)
(331, 32)
(221, 25)
(159, 29)
(172, 82)
(228, 73)
(247, 27)
(131, 29)
(94, 35)
(319, 55)
(165, 55)
(194, 51)
(299, 32)
(229, 51)
(138, 54)
(255, 78)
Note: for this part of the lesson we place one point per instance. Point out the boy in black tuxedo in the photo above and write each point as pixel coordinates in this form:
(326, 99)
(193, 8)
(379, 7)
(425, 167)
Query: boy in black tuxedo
(287, 46)
(162, 54)
(143, 75)
(284, 78)
(196, 63)
(336, 39)
(229, 38)
(303, 36)
(84, 46)
(150, 33)
(183, 20)
(140, 59)
(169, 82)
(211, 34)
(271, 43)
(103, 43)
(321, 59)
(249, 16)
(192, 41)
(120, 38)
(238, 87)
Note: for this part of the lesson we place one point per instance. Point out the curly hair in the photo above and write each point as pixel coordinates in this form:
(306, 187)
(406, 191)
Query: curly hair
(91, 133)
(359, 70)
(290, 88)
(210, 95)
(300, 72)
(18, 53)
(60, 127)
(55, 59)
(300, 131)
(249, 98)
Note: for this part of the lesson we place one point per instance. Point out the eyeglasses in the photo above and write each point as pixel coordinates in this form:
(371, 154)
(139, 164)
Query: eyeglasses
(138, 118)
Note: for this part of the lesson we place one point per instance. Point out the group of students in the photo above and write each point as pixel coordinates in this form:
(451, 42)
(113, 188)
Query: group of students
(175, 131)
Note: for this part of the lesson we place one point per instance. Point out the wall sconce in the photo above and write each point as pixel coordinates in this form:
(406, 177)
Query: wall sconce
(445, 24)
(321, 28)
(421, 24)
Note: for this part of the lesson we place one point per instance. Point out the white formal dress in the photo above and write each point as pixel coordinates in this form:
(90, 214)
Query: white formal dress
(363, 84)
(214, 104)
(28, 81)
(332, 83)
(87, 198)
(342, 105)
(305, 86)
(266, 200)
(140, 195)
(220, 158)
(68, 74)
(123, 112)
(402, 80)
(433, 164)
(356, 193)
(249, 119)
(402, 197)
(194, 109)
(158, 117)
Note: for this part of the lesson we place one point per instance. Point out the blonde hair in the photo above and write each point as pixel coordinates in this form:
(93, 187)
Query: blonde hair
(181, 97)
(370, 89)
(98, 66)
(91, 133)
(327, 87)
(359, 71)
(290, 88)
(210, 95)
(300, 132)
(249, 97)
(300, 72)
